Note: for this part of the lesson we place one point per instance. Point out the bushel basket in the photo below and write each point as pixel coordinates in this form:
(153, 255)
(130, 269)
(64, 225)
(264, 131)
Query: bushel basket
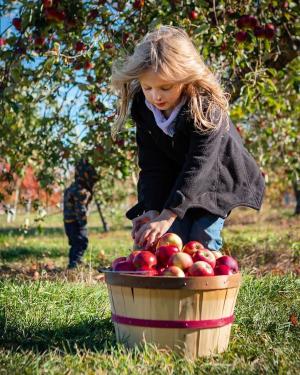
(192, 316)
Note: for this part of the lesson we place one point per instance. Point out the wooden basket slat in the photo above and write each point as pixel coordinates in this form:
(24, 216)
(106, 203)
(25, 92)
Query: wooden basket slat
(164, 307)
(210, 309)
(228, 309)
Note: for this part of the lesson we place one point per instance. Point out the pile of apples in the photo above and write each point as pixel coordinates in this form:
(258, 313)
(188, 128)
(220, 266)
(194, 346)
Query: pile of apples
(171, 258)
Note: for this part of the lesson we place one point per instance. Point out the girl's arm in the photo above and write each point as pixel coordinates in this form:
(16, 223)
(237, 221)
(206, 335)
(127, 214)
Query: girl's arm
(155, 180)
(150, 232)
(142, 219)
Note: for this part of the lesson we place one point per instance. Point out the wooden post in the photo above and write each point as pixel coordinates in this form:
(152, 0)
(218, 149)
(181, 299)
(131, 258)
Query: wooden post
(16, 200)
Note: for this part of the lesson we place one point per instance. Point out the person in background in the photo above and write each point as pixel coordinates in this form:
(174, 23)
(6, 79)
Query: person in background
(76, 200)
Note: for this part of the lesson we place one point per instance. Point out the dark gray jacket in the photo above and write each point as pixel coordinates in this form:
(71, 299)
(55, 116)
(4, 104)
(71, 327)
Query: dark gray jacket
(192, 172)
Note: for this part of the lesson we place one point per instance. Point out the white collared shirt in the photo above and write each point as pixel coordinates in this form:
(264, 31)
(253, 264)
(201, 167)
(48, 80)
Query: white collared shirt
(166, 125)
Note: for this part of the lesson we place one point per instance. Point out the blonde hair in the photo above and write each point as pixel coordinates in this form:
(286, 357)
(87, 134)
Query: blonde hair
(170, 52)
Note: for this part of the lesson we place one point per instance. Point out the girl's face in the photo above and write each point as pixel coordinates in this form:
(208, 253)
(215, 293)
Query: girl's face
(163, 94)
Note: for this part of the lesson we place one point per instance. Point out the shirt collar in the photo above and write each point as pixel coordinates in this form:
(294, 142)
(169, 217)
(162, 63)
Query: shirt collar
(166, 125)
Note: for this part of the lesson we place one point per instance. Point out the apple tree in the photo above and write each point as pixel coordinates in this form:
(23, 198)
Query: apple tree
(56, 58)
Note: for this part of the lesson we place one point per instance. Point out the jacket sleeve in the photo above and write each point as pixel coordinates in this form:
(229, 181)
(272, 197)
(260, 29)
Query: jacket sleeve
(155, 177)
(199, 173)
(154, 183)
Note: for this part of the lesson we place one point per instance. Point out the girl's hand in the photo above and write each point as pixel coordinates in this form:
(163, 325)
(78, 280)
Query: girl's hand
(150, 232)
(140, 220)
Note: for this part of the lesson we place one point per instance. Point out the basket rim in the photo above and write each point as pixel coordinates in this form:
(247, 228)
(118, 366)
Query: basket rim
(170, 282)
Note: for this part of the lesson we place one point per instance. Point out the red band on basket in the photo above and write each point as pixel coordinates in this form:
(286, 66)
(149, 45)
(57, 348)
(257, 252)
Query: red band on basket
(210, 323)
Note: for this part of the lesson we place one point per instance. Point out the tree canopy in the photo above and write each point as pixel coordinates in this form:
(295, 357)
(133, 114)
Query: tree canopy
(55, 67)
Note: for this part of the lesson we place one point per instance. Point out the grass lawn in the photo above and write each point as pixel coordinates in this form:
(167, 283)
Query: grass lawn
(58, 322)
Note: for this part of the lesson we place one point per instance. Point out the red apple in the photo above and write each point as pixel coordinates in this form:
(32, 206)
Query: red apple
(247, 22)
(164, 253)
(170, 239)
(60, 16)
(108, 45)
(229, 262)
(241, 36)
(270, 31)
(124, 266)
(88, 65)
(47, 3)
(192, 247)
(252, 22)
(206, 256)
(77, 66)
(285, 5)
(144, 258)
(132, 255)
(93, 14)
(55, 15)
(201, 269)
(80, 46)
(116, 261)
(224, 46)
(125, 37)
(138, 4)
(173, 271)
(90, 79)
(241, 22)
(223, 270)
(40, 41)
(193, 15)
(92, 98)
(17, 23)
(181, 260)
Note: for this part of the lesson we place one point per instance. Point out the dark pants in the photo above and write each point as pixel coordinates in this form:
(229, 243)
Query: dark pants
(78, 241)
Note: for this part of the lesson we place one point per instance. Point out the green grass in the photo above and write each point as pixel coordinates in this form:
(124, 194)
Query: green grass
(59, 322)
(57, 327)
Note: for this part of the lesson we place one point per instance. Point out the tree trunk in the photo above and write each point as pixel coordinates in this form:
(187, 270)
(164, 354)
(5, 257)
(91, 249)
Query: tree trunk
(296, 186)
(104, 223)
(134, 178)
(28, 206)
(16, 200)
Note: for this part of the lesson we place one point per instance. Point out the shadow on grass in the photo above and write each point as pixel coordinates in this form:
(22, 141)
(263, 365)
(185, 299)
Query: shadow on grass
(53, 231)
(94, 335)
(20, 253)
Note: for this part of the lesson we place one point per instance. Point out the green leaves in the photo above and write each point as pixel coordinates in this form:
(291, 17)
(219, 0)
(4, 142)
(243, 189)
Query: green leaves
(69, 88)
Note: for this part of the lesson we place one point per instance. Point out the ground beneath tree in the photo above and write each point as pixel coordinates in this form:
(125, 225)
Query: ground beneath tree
(268, 242)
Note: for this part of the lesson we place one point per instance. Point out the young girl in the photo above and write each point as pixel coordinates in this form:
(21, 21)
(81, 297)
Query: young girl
(194, 168)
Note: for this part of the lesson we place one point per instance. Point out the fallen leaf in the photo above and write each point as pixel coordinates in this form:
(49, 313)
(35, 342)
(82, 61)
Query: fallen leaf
(294, 320)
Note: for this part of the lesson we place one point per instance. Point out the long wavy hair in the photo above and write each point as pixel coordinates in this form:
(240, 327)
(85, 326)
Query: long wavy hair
(169, 51)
